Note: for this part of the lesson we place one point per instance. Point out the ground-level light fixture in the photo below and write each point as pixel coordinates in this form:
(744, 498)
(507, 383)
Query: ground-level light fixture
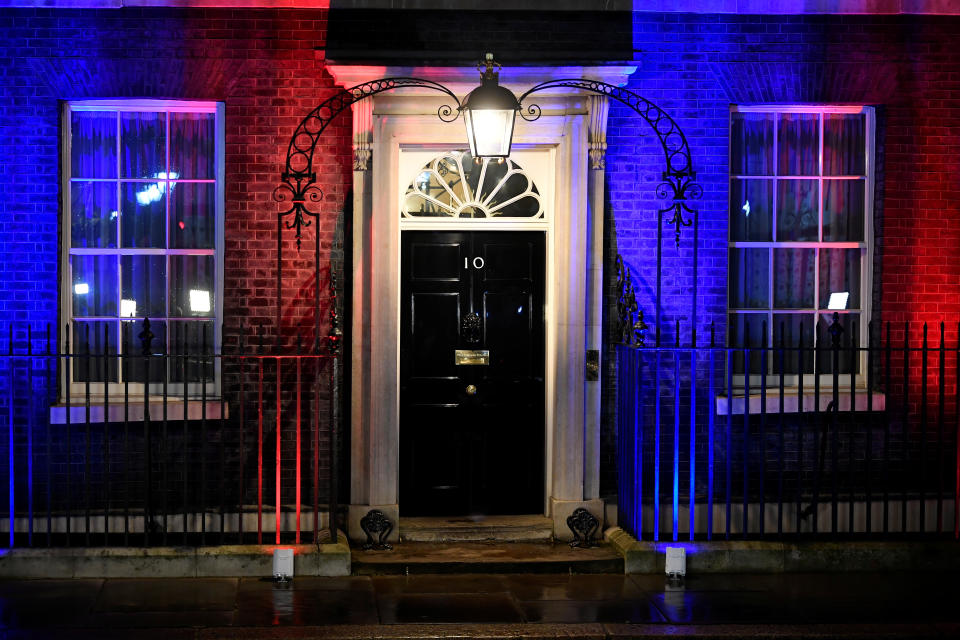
(676, 563)
(489, 112)
(282, 565)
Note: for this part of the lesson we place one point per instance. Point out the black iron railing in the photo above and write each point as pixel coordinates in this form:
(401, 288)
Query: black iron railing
(134, 446)
(818, 432)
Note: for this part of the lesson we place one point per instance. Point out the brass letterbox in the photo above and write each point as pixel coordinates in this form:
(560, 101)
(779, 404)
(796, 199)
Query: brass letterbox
(467, 357)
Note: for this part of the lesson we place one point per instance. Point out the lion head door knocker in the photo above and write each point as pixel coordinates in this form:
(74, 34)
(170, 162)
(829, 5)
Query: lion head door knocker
(376, 523)
(470, 327)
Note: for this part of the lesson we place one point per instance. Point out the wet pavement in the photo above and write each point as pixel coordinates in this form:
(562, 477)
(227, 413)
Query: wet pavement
(421, 606)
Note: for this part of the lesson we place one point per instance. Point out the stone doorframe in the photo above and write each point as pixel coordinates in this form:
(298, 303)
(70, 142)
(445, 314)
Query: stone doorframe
(573, 124)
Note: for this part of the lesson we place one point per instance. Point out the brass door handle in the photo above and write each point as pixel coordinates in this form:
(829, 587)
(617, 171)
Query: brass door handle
(471, 389)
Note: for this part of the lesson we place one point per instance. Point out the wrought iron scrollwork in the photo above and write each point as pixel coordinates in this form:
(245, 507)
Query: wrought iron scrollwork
(298, 186)
(631, 329)
(584, 525)
(678, 189)
(530, 113)
(376, 523)
(679, 177)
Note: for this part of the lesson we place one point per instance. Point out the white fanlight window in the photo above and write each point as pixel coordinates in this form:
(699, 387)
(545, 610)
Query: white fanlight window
(455, 185)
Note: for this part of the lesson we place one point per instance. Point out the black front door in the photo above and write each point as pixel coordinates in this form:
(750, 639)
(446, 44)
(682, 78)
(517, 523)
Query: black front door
(471, 372)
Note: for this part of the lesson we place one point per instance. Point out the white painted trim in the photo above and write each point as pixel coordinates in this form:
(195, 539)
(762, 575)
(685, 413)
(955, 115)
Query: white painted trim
(196, 409)
(143, 105)
(407, 122)
(798, 108)
(791, 402)
(463, 80)
(547, 188)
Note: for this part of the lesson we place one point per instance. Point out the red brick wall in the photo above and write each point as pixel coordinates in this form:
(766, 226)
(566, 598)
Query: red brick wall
(261, 64)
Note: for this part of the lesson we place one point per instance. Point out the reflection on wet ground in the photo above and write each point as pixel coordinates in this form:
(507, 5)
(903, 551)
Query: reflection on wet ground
(784, 599)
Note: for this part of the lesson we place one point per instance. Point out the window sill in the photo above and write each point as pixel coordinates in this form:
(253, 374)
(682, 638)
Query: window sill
(135, 413)
(791, 402)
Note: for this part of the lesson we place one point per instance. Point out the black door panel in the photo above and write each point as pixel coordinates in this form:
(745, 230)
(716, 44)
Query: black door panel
(471, 435)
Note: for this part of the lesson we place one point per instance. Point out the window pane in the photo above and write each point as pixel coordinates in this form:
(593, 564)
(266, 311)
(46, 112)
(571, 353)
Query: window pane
(799, 144)
(794, 272)
(191, 145)
(844, 144)
(749, 278)
(751, 144)
(787, 331)
(751, 210)
(98, 339)
(840, 278)
(135, 365)
(797, 215)
(192, 285)
(143, 214)
(93, 144)
(144, 286)
(843, 210)
(94, 285)
(192, 215)
(93, 214)
(190, 341)
(143, 145)
(746, 330)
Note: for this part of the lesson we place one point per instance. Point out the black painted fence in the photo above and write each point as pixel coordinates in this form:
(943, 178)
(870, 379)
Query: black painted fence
(864, 445)
(229, 447)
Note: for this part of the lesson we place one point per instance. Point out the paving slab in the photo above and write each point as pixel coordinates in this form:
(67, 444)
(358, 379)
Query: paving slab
(573, 587)
(292, 606)
(450, 607)
(920, 631)
(46, 603)
(173, 595)
(417, 583)
(809, 606)
(579, 611)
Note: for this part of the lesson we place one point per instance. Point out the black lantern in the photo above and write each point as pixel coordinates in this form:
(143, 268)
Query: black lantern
(489, 112)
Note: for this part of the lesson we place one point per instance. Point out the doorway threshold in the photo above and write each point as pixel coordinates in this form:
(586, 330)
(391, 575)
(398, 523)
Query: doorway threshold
(523, 528)
(417, 558)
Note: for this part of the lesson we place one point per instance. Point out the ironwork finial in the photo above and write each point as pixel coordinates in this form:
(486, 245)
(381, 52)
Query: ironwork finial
(146, 337)
(835, 330)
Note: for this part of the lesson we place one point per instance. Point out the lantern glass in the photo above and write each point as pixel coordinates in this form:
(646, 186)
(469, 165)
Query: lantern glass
(489, 131)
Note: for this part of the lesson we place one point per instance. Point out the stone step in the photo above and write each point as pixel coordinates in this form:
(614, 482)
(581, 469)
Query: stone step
(486, 557)
(530, 528)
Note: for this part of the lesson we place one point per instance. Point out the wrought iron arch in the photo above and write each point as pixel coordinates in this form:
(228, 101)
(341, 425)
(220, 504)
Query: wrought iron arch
(678, 178)
(299, 182)
(678, 187)
(299, 188)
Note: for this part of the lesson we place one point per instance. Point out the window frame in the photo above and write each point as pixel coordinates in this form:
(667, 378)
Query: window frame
(136, 389)
(866, 246)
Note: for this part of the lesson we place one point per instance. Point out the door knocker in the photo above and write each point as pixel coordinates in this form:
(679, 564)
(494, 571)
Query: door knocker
(470, 328)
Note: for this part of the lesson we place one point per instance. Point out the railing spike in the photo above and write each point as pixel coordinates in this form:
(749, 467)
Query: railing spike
(146, 337)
